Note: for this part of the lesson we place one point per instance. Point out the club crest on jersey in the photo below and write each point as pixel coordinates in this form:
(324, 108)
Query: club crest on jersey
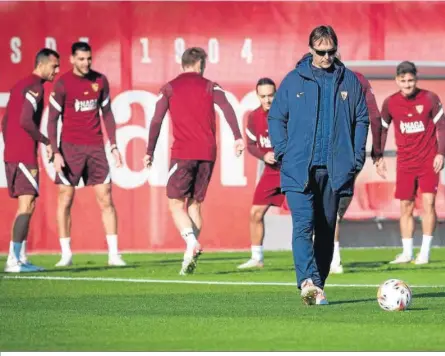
(33, 172)
(411, 127)
(85, 105)
(95, 86)
(419, 108)
(344, 94)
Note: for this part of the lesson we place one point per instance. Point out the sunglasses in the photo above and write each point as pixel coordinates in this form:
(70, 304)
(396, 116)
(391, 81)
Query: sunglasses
(330, 52)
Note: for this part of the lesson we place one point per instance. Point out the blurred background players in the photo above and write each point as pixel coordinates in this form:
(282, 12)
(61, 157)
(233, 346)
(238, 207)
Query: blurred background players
(419, 126)
(376, 128)
(21, 132)
(268, 191)
(78, 97)
(190, 98)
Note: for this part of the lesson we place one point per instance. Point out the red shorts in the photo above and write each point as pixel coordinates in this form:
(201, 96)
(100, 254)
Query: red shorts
(88, 162)
(408, 182)
(22, 179)
(268, 191)
(189, 179)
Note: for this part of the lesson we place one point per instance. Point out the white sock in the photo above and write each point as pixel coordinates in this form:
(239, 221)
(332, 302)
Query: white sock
(426, 245)
(23, 250)
(336, 257)
(11, 256)
(407, 247)
(189, 236)
(65, 243)
(257, 253)
(190, 239)
(112, 245)
(11, 249)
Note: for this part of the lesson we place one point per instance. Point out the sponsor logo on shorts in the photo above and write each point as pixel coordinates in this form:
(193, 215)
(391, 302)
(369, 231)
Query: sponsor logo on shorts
(33, 93)
(33, 172)
(411, 127)
(85, 105)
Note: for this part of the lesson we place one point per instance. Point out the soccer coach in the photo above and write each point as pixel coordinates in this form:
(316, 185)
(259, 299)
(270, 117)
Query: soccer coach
(318, 125)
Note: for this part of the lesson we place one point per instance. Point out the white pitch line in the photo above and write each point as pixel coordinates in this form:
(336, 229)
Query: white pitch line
(173, 281)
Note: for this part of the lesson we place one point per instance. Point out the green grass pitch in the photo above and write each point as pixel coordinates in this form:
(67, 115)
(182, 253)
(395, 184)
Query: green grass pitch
(147, 306)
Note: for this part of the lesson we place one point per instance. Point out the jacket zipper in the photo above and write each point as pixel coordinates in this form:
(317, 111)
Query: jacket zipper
(333, 126)
(313, 139)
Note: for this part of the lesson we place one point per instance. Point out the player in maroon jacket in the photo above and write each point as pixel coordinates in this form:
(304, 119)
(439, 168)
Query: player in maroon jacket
(268, 191)
(78, 96)
(419, 126)
(20, 127)
(376, 128)
(190, 98)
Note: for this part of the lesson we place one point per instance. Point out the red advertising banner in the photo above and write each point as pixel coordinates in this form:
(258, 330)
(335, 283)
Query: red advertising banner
(138, 46)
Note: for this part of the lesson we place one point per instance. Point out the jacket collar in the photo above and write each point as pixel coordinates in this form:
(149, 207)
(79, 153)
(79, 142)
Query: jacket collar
(304, 69)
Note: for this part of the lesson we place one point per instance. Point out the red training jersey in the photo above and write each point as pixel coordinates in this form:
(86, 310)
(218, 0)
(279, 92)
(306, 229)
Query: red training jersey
(415, 121)
(79, 101)
(190, 98)
(21, 123)
(258, 141)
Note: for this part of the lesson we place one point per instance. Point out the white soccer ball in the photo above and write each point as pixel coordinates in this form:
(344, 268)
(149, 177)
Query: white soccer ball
(393, 295)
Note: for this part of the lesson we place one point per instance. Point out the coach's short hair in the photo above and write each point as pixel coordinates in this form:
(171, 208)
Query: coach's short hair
(405, 68)
(43, 55)
(323, 32)
(193, 55)
(80, 46)
(265, 81)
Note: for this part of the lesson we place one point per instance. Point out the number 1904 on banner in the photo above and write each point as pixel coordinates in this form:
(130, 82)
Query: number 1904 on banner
(213, 50)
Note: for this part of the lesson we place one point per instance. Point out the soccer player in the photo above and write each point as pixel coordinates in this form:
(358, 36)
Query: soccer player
(376, 127)
(419, 126)
(190, 98)
(268, 191)
(20, 127)
(78, 97)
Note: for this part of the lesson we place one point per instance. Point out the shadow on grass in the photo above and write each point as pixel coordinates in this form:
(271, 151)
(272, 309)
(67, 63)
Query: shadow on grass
(429, 295)
(352, 301)
(368, 264)
(251, 271)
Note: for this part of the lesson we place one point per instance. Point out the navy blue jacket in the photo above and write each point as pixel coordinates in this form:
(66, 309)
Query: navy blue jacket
(292, 122)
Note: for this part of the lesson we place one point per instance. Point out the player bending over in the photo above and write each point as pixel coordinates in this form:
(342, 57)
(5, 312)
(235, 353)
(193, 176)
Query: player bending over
(190, 98)
(376, 128)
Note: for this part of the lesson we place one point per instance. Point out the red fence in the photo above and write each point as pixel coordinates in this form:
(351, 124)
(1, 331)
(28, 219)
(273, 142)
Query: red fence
(138, 46)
